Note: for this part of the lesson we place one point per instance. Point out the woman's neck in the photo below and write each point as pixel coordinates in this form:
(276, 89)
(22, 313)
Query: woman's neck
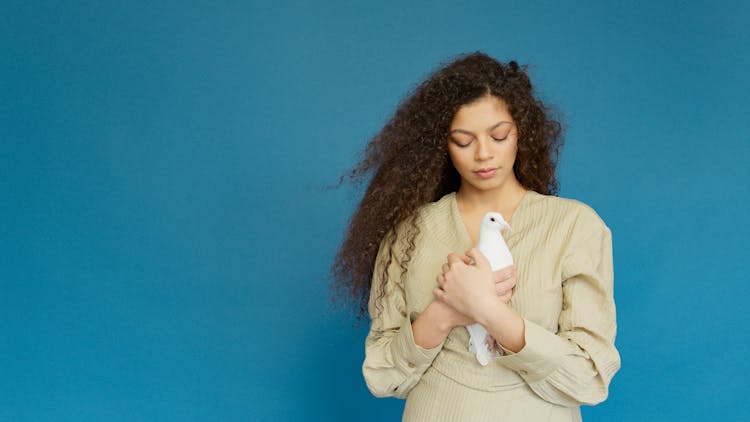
(503, 200)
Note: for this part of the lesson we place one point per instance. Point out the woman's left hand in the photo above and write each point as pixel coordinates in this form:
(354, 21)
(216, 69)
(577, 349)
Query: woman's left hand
(469, 289)
(505, 281)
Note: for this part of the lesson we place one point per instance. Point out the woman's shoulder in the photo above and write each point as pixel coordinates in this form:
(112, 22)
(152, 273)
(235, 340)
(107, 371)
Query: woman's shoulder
(564, 210)
(430, 217)
(437, 209)
(437, 219)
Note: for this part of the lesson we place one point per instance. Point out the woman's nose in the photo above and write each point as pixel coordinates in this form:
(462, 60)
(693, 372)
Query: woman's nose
(483, 151)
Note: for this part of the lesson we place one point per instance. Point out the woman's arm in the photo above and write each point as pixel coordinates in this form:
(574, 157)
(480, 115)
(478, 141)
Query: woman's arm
(394, 360)
(433, 325)
(573, 366)
(470, 289)
(400, 347)
(438, 319)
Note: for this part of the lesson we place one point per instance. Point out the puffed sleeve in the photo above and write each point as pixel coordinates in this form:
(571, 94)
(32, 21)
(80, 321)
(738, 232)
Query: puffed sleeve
(575, 365)
(393, 362)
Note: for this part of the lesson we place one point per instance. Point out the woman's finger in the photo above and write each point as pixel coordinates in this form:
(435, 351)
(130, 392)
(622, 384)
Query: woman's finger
(500, 289)
(455, 258)
(478, 257)
(439, 294)
(506, 286)
(504, 274)
(508, 283)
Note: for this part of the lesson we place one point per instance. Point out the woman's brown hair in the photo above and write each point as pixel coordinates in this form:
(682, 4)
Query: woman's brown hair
(415, 137)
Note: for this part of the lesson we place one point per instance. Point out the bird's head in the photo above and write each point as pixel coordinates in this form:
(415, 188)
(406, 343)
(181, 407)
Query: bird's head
(494, 221)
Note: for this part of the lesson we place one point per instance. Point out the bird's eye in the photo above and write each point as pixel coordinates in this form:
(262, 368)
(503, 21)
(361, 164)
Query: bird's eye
(492, 219)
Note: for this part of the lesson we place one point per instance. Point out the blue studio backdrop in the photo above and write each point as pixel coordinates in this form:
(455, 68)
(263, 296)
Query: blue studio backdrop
(165, 234)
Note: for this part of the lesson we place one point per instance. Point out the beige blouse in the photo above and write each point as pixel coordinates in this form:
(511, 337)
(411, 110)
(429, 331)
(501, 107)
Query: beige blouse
(563, 256)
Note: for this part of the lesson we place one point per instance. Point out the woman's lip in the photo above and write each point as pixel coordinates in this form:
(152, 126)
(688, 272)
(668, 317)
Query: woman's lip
(486, 173)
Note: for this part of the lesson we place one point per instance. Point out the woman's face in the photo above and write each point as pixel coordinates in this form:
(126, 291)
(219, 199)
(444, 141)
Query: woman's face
(482, 144)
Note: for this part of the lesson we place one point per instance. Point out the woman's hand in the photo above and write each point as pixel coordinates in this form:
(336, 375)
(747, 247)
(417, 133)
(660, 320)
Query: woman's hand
(434, 324)
(450, 317)
(470, 289)
(505, 281)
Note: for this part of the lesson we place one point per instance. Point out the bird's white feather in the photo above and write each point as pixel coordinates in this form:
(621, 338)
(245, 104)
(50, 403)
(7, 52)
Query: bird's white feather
(492, 245)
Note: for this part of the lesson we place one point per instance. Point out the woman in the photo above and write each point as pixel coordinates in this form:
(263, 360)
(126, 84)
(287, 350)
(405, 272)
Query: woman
(471, 139)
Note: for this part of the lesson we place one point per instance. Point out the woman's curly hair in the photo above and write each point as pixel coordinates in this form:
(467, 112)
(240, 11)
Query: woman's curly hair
(416, 138)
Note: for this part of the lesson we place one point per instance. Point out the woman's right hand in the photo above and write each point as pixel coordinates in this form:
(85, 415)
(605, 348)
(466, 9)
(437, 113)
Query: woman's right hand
(434, 324)
(450, 317)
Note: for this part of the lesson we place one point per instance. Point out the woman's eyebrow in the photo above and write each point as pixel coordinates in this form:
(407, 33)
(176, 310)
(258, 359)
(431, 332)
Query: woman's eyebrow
(498, 124)
(488, 129)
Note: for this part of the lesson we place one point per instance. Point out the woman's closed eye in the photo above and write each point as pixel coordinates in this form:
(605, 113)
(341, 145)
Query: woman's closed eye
(463, 142)
(500, 135)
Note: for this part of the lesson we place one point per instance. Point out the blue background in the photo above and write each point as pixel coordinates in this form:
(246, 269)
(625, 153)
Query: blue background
(165, 237)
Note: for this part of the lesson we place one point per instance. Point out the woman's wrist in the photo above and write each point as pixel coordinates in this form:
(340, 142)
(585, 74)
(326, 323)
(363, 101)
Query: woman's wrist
(441, 318)
(486, 311)
(506, 326)
(431, 327)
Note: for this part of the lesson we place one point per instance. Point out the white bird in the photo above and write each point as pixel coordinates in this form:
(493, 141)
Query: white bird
(493, 246)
